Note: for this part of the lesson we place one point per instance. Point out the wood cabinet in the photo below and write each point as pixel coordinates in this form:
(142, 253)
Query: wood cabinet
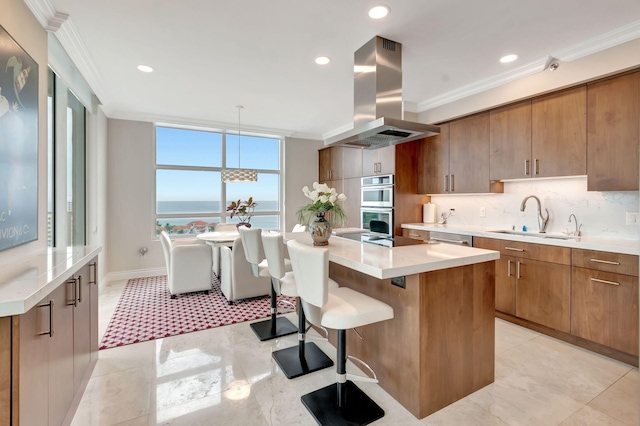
(330, 164)
(613, 133)
(416, 234)
(51, 352)
(5, 374)
(533, 281)
(543, 137)
(339, 162)
(510, 141)
(559, 134)
(379, 161)
(351, 188)
(457, 160)
(604, 299)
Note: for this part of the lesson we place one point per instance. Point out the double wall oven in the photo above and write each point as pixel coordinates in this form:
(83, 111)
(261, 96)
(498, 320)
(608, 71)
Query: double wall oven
(376, 208)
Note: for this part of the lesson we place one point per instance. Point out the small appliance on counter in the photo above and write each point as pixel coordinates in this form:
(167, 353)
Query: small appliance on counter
(429, 213)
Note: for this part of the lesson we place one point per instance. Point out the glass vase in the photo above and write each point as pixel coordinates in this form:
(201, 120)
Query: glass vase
(320, 230)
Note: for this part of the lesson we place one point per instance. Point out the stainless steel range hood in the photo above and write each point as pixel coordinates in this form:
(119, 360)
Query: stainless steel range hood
(378, 109)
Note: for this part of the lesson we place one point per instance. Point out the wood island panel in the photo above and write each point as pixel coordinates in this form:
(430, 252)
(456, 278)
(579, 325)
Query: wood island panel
(439, 347)
(5, 373)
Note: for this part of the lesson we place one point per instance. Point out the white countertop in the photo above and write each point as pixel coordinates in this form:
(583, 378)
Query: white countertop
(588, 243)
(24, 284)
(383, 262)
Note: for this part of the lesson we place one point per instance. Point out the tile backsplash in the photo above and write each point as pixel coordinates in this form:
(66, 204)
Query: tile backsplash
(602, 214)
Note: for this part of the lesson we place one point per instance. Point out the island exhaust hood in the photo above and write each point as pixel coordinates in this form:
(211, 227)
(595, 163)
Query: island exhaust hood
(378, 109)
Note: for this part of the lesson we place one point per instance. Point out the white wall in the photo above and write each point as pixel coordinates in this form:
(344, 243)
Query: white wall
(20, 23)
(301, 168)
(130, 194)
(602, 214)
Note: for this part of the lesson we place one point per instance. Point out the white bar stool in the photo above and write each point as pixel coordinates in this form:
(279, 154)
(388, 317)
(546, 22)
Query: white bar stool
(342, 403)
(254, 252)
(305, 358)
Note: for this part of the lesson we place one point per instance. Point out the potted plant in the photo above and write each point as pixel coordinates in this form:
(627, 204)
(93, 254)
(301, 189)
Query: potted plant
(323, 200)
(244, 211)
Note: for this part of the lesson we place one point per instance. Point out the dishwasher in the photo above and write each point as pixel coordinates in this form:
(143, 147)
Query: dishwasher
(447, 238)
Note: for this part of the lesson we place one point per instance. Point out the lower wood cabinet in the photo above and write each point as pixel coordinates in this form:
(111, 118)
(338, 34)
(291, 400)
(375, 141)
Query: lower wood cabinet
(52, 352)
(543, 293)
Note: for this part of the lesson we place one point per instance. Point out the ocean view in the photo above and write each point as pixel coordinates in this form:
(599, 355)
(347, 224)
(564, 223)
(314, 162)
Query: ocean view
(179, 225)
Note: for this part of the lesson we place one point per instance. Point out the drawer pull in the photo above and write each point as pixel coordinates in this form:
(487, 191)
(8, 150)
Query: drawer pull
(608, 262)
(446, 240)
(513, 249)
(414, 235)
(51, 316)
(604, 281)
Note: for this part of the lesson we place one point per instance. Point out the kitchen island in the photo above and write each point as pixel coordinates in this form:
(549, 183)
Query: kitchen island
(439, 347)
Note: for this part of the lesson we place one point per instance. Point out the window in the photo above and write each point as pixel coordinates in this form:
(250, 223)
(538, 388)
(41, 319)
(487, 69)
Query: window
(189, 188)
(66, 197)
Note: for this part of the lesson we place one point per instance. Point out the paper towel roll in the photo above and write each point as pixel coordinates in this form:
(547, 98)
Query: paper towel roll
(428, 213)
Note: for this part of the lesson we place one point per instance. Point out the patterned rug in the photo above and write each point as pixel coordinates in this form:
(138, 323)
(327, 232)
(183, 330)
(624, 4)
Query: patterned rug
(147, 312)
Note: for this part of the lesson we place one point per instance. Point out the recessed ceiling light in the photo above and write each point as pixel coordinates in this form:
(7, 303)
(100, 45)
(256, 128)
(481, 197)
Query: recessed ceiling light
(323, 60)
(379, 12)
(145, 68)
(508, 58)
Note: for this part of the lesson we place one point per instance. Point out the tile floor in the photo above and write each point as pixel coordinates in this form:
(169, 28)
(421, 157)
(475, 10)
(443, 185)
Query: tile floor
(226, 376)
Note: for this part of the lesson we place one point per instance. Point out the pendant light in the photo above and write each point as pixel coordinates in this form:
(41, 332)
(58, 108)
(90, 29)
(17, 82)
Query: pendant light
(239, 175)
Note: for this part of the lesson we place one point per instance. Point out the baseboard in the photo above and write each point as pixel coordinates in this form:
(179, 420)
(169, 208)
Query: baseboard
(135, 273)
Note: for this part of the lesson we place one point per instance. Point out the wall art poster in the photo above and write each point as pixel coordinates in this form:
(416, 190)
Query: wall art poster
(18, 144)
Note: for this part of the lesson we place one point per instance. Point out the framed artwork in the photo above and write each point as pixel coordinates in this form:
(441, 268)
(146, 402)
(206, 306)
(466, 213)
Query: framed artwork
(18, 144)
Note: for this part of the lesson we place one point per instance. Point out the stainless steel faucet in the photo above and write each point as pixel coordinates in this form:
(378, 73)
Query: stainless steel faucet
(542, 221)
(577, 231)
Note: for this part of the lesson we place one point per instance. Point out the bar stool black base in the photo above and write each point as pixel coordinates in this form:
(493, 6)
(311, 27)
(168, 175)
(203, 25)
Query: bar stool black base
(264, 330)
(358, 408)
(293, 364)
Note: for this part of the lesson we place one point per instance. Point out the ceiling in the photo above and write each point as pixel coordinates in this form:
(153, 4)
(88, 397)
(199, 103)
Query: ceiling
(209, 56)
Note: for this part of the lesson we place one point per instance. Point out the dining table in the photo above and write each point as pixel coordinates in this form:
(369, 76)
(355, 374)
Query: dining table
(217, 239)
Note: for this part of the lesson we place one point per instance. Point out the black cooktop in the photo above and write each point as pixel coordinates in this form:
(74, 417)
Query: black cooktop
(382, 240)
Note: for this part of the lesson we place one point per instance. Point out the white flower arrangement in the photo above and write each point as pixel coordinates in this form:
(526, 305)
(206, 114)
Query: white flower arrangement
(323, 199)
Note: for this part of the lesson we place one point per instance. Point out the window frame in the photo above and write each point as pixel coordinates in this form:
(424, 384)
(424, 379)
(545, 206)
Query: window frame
(223, 186)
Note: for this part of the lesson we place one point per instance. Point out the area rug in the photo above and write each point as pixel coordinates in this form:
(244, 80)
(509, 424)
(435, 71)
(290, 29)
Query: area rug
(147, 312)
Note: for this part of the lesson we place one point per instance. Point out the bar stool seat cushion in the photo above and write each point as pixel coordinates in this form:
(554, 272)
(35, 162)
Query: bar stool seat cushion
(288, 285)
(347, 308)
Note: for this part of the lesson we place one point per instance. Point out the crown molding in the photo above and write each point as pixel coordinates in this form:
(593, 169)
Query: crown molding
(337, 131)
(588, 47)
(483, 85)
(599, 43)
(70, 39)
(202, 124)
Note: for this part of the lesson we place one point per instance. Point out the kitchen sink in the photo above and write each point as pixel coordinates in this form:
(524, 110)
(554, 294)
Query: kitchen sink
(537, 234)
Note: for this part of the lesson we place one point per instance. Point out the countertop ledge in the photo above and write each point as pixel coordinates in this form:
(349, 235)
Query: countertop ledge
(613, 245)
(384, 262)
(23, 284)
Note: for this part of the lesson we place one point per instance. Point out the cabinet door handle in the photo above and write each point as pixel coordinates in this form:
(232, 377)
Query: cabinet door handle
(526, 167)
(446, 183)
(452, 183)
(513, 249)
(95, 273)
(535, 166)
(330, 174)
(604, 281)
(509, 268)
(608, 262)
(518, 270)
(74, 281)
(51, 317)
(79, 279)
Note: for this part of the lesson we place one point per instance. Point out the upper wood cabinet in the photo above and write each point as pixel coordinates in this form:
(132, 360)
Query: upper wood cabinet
(510, 141)
(543, 137)
(469, 155)
(613, 133)
(379, 161)
(457, 160)
(339, 162)
(559, 134)
(330, 164)
(433, 163)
